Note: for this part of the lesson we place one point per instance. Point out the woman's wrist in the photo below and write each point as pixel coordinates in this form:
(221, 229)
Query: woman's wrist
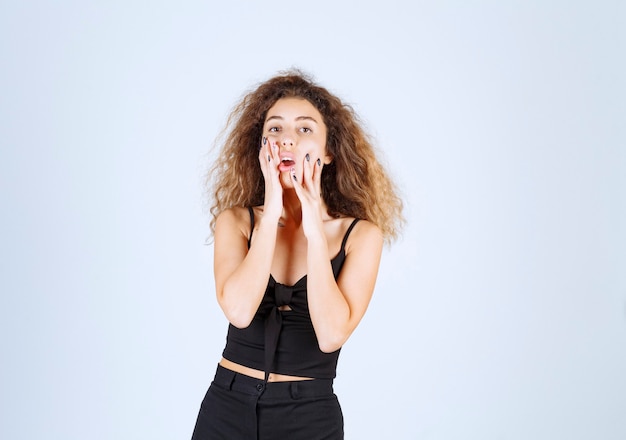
(317, 239)
(268, 222)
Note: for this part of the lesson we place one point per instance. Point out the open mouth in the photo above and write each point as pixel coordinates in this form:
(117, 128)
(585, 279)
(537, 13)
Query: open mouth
(286, 163)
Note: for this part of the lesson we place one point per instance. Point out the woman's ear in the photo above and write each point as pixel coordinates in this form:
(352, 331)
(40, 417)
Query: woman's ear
(328, 159)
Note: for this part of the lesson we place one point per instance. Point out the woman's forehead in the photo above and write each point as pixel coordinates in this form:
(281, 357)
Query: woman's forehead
(293, 108)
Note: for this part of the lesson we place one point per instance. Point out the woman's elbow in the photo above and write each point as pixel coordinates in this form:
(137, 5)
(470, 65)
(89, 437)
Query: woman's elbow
(239, 322)
(236, 316)
(331, 345)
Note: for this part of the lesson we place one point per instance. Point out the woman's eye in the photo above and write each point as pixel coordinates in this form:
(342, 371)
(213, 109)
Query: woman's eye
(273, 129)
(305, 130)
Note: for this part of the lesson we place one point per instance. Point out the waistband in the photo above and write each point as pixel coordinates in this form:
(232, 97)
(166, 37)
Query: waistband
(232, 380)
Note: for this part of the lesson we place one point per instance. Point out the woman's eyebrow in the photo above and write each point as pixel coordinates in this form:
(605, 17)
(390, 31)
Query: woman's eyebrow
(299, 118)
(306, 118)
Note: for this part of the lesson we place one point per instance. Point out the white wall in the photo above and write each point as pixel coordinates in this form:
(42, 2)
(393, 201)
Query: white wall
(501, 314)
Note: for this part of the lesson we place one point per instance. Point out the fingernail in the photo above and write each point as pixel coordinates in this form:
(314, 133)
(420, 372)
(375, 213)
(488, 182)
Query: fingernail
(319, 162)
(264, 140)
(268, 158)
(293, 174)
(307, 157)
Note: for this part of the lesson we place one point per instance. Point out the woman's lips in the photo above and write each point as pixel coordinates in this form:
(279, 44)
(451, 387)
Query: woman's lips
(286, 165)
(287, 162)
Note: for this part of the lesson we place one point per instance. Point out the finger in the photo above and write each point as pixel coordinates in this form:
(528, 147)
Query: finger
(261, 147)
(307, 171)
(269, 165)
(317, 175)
(272, 148)
(274, 159)
(296, 185)
(269, 155)
(263, 153)
(263, 161)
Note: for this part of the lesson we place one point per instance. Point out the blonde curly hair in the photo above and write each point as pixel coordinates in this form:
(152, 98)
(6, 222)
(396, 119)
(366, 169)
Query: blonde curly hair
(354, 184)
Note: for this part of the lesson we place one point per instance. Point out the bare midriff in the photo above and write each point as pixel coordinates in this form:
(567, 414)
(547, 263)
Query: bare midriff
(258, 374)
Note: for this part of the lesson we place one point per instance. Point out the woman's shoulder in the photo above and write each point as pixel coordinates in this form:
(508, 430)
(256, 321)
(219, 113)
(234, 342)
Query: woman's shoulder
(237, 218)
(367, 228)
(234, 213)
(363, 232)
(362, 245)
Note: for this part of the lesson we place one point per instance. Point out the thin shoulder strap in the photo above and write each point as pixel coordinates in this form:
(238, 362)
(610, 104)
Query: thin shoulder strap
(251, 211)
(345, 237)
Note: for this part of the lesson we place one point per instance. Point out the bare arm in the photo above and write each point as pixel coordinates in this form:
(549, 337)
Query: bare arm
(241, 274)
(337, 307)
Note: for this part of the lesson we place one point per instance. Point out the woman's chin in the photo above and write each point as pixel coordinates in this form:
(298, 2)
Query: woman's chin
(286, 180)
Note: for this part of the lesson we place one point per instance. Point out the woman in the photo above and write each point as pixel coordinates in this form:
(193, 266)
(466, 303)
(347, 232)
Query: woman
(301, 210)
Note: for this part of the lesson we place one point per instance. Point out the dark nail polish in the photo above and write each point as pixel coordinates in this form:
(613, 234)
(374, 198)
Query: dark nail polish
(268, 158)
(307, 157)
(264, 140)
(319, 162)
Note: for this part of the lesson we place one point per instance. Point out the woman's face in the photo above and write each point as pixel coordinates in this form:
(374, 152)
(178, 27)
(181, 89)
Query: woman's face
(296, 126)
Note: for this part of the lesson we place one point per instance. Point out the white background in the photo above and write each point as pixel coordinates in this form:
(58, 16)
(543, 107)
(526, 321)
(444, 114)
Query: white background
(500, 314)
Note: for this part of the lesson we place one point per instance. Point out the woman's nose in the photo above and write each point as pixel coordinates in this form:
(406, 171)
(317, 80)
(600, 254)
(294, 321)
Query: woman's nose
(286, 141)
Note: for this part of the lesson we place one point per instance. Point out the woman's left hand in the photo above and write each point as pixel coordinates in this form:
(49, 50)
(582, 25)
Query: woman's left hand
(309, 191)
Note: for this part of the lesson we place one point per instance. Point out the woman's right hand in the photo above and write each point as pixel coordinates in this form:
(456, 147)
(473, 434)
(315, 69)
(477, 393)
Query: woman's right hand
(269, 160)
(241, 272)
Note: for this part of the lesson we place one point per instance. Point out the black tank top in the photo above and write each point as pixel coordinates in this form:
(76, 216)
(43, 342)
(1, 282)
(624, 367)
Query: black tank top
(284, 342)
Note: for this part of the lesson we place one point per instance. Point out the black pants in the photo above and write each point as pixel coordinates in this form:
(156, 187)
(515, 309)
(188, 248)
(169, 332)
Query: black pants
(239, 407)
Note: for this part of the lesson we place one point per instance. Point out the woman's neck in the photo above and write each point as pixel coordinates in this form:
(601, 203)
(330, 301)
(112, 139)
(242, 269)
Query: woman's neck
(292, 208)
